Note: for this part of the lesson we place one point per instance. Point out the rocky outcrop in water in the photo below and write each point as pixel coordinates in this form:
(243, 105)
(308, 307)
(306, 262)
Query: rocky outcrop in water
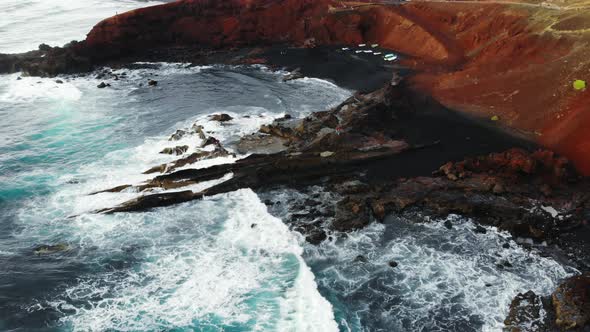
(571, 301)
(567, 309)
(529, 312)
(367, 150)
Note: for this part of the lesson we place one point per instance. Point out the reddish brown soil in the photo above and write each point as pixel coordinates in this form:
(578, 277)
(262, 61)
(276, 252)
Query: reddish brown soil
(515, 60)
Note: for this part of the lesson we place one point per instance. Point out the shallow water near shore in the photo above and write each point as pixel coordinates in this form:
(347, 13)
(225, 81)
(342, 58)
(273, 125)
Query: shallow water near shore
(191, 266)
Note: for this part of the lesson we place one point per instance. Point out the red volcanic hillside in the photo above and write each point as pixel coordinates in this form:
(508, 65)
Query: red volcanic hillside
(515, 60)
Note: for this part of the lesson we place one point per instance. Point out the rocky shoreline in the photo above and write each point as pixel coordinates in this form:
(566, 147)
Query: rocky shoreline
(372, 154)
(389, 149)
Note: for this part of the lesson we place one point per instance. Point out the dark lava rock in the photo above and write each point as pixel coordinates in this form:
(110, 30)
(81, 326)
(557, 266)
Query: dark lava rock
(294, 75)
(481, 230)
(103, 85)
(177, 135)
(152, 83)
(19, 78)
(47, 61)
(211, 141)
(59, 81)
(351, 214)
(260, 143)
(571, 302)
(316, 237)
(253, 225)
(528, 313)
(178, 150)
(361, 259)
(44, 47)
(220, 117)
(506, 245)
(190, 159)
(448, 224)
(393, 264)
(314, 234)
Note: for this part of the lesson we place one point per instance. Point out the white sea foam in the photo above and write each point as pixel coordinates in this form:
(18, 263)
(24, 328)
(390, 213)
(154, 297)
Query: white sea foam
(29, 89)
(446, 279)
(207, 268)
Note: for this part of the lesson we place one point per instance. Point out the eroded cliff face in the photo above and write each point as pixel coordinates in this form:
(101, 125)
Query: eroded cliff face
(514, 60)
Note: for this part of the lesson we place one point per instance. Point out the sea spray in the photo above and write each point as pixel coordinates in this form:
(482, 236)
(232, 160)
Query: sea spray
(223, 261)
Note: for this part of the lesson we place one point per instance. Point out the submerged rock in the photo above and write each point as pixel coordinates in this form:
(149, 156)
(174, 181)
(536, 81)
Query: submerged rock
(103, 85)
(51, 249)
(294, 75)
(361, 259)
(211, 141)
(178, 150)
(177, 135)
(220, 117)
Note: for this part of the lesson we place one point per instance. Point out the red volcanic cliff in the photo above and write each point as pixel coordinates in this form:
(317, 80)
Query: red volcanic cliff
(515, 60)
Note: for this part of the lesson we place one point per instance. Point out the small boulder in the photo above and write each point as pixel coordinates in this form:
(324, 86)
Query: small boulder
(177, 150)
(200, 131)
(294, 75)
(177, 135)
(211, 141)
(393, 264)
(316, 236)
(103, 85)
(480, 229)
(59, 81)
(361, 259)
(448, 224)
(220, 117)
(44, 47)
(152, 83)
